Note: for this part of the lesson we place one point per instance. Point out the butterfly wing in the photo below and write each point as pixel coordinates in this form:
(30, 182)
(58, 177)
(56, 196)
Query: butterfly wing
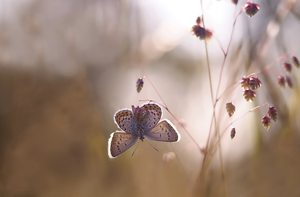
(124, 118)
(119, 142)
(153, 116)
(164, 131)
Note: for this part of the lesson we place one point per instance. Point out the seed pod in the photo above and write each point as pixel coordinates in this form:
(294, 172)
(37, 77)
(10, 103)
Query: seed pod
(289, 81)
(272, 112)
(235, 1)
(281, 80)
(296, 61)
(251, 8)
(266, 121)
(249, 95)
(254, 83)
(232, 133)
(230, 109)
(250, 82)
(201, 32)
(139, 84)
(287, 66)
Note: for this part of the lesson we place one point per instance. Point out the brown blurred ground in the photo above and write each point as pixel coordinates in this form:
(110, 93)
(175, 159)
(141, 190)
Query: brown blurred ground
(46, 124)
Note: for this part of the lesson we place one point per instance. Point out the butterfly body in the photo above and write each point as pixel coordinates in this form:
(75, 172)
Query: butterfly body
(138, 117)
(140, 123)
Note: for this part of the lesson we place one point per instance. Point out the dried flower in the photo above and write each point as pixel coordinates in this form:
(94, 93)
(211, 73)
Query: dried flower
(232, 133)
(281, 80)
(139, 84)
(296, 61)
(230, 109)
(289, 81)
(201, 32)
(251, 8)
(266, 121)
(287, 66)
(251, 82)
(249, 95)
(272, 112)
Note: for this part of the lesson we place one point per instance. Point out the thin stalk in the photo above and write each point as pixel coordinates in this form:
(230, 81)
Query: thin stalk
(214, 119)
(225, 55)
(237, 119)
(215, 101)
(164, 104)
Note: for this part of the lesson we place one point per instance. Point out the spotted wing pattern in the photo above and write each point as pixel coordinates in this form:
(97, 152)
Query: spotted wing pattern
(119, 142)
(154, 114)
(163, 131)
(124, 119)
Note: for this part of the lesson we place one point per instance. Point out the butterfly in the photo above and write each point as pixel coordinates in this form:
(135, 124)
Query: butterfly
(137, 124)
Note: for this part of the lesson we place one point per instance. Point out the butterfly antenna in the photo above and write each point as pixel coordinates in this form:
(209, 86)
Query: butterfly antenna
(135, 149)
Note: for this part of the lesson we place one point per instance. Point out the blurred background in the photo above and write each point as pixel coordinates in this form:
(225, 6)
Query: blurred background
(67, 66)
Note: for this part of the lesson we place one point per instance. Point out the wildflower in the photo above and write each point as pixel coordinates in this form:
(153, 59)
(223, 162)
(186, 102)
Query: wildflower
(281, 80)
(249, 95)
(251, 8)
(232, 133)
(289, 81)
(287, 66)
(230, 109)
(296, 61)
(272, 112)
(201, 32)
(266, 121)
(139, 84)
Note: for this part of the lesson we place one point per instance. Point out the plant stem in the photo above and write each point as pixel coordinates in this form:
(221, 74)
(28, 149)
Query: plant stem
(164, 104)
(215, 101)
(214, 119)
